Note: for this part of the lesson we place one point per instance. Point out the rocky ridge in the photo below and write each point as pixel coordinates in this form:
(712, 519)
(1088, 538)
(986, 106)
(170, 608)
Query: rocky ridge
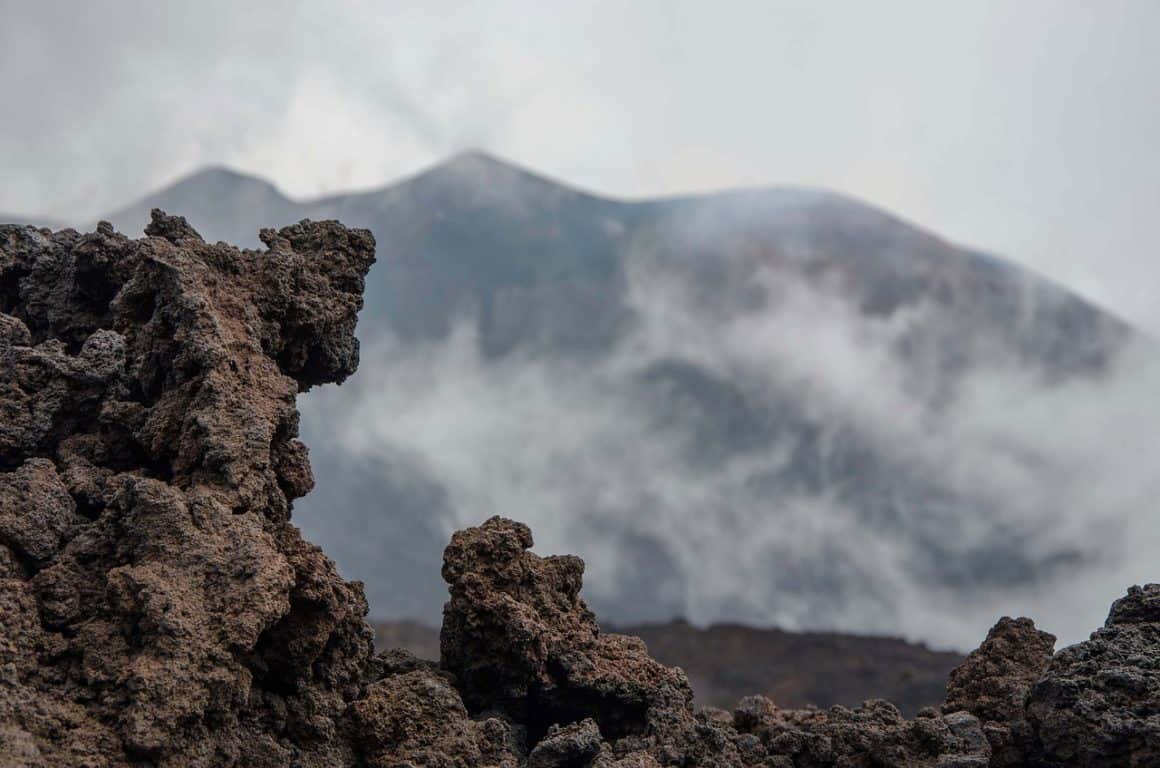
(159, 609)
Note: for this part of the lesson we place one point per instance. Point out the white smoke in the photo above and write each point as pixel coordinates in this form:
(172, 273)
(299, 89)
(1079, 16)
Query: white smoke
(1063, 473)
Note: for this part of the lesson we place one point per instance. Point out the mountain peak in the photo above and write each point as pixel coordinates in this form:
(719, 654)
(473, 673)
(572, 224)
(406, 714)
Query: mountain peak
(222, 177)
(220, 202)
(479, 165)
(486, 178)
(475, 156)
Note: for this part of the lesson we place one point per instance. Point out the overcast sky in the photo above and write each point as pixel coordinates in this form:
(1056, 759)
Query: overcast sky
(1026, 128)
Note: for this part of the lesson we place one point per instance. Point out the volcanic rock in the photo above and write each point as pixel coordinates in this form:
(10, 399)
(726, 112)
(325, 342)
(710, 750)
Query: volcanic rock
(521, 641)
(158, 609)
(1098, 703)
(994, 682)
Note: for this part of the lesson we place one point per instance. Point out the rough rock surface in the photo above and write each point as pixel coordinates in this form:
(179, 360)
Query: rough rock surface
(1098, 704)
(521, 641)
(158, 609)
(994, 682)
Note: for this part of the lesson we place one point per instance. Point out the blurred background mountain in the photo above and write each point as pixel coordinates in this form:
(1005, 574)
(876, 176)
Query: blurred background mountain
(782, 407)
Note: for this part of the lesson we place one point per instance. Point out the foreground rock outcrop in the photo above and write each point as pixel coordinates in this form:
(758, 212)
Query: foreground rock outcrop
(159, 609)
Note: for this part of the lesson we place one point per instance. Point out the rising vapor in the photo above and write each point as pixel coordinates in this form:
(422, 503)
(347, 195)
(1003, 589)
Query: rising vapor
(781, 463)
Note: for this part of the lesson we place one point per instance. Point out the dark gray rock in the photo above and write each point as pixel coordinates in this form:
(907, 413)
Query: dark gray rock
(570, 746)
(1098, 703)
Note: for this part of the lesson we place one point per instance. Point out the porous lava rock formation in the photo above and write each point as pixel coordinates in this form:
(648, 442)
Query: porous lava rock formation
(993, 684)
(1098, 703)
(159, 609)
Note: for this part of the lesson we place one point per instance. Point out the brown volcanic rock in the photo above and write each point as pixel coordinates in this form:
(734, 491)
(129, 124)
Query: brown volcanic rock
(994, 682)
(726, 662)
(871, 735)
(417, 718)
(521, 641)
(157, 606)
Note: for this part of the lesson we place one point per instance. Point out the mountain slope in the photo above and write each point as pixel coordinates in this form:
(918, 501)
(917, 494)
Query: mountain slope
(479, 236)
(873, 412)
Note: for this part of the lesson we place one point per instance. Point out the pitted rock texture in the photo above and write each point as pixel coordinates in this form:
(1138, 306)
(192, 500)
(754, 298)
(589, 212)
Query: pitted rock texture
(521, 641)
(994, 682)
(158, 609)
(1098, 704)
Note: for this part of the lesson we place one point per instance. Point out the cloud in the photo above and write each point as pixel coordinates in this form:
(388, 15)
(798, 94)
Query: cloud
(842, 495)
(113, 101)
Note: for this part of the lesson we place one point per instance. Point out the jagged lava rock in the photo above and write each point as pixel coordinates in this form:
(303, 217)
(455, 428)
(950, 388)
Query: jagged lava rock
(1098, 703)
(158, 609)
(993, 684)
(521, 641)
(416, 717)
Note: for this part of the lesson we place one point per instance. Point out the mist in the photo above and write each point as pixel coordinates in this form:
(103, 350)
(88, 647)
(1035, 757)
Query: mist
(1007, 491)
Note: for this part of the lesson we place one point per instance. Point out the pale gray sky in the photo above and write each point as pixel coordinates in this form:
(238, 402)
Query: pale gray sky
(1026, 128)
